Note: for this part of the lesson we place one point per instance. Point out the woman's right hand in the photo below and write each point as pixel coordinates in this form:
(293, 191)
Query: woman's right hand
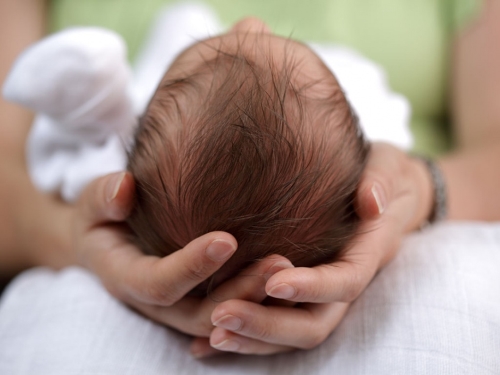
(394, 197)
(157, 286)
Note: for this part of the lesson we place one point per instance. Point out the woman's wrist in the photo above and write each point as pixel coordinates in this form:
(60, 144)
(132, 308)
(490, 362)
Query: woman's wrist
(425, 190)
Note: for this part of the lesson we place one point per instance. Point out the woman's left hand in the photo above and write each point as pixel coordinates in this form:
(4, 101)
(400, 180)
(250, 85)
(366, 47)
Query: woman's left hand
(394, 197)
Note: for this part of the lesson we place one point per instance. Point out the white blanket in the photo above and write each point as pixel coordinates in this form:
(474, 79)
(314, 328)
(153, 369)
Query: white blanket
(80, 84)
(434, 310)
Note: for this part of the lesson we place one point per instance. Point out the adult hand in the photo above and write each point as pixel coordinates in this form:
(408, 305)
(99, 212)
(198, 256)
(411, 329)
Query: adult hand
(157, 286)
(394, 197)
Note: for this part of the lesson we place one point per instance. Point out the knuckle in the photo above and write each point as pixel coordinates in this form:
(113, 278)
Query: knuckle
(264, 331)
(353, 288)
(196, 271)
(161, 295)
(319, 293)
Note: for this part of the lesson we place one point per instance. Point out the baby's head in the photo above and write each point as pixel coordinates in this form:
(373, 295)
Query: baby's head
(248, 133)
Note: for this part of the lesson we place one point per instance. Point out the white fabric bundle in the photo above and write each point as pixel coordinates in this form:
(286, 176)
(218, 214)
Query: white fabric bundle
(79, 83)
(76, 81)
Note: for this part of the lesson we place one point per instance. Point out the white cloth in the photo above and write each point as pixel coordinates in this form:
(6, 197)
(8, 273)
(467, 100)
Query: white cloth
(79, 83)
(434, 310)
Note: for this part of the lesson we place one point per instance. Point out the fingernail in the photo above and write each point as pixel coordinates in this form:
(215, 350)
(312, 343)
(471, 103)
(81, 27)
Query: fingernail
(220, 250)
(378, 194)
(227, 345)
(277, 267)
(199, 352)
(113, 186)
(229, 322)
(283, 291)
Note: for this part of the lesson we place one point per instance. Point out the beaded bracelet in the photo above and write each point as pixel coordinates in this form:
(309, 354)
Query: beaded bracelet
(439, 206)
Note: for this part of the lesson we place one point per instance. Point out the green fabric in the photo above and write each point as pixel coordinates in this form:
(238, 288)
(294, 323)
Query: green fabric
(410, 38)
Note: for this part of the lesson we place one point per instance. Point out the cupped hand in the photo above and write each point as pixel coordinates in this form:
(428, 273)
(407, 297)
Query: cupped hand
(394, 197)
(157, 287)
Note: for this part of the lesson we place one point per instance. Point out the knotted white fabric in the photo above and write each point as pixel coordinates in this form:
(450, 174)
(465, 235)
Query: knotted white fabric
(76, 81)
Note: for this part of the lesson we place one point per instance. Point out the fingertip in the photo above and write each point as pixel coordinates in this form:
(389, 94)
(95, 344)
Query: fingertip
(282, 291)
(222, 309)
(118, 192)
(279, 285)
(220, 236)
(220, 250)
(103, 199)
(275, 263)
(220, 339)
(200, 348)
(371, 200)
(380, 197)
(214, 246)
(123, 195)
(219, 246)
(112, 184)
(279, 266)
(230, 308)
(301, 284)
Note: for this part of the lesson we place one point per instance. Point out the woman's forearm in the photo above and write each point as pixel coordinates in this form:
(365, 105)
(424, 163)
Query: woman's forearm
(32, 225)
(472, 172)
(473, 183)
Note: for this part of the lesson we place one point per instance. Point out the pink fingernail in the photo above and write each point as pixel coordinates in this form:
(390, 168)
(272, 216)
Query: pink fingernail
(229, 322)
(200, 352)
(283, 291)
(227, 345)
(280, 266)
(113, 186)
(220, 250)
(378, 194)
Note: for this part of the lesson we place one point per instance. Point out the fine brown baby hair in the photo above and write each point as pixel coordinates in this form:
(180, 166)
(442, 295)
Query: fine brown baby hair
(236, 146)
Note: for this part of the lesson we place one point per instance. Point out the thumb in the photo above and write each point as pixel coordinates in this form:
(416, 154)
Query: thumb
(371, 199)
(382, 181)
(108, 198)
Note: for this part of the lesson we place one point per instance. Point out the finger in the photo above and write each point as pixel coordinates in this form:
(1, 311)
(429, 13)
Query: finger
(200, 348)
(163, 281)
(377, 188)
(105, 200)
(182, 316)
(227, 341)
(250, 283)
(230, 342)
(340, 281)
(302, 327)
(371, 199)
(108, 198)
(145, 278)
(192, 315)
